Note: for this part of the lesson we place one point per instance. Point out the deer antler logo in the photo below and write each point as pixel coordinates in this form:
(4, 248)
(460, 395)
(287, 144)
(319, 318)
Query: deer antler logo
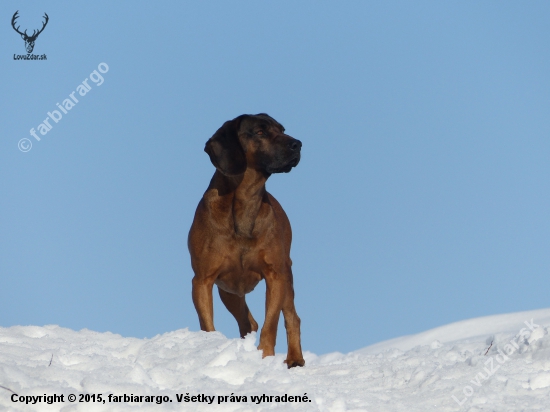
(29, 40)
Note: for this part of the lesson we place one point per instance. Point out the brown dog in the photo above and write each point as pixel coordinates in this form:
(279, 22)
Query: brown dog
(241, 234)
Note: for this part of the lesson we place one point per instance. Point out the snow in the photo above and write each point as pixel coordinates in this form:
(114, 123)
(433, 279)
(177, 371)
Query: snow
(495, 363)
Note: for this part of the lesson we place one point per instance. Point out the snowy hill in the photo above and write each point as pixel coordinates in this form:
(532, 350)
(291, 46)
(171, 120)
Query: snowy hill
(497, 363)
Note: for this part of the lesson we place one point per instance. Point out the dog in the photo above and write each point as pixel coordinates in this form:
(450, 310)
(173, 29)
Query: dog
(241, 234)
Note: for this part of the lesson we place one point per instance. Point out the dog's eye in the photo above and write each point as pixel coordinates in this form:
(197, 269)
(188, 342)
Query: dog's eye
(260, 132)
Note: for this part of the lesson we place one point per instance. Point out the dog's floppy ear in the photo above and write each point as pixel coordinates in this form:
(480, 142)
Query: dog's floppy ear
(225, 150)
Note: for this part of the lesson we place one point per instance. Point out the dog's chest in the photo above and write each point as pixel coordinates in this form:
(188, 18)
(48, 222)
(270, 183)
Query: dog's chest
(244, 268)
(240, 275)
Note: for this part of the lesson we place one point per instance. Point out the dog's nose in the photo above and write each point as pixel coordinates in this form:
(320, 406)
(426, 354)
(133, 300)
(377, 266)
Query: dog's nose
(295, 145)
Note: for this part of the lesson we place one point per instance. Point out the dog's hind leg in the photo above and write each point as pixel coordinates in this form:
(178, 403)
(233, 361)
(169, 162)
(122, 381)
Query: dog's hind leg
(237, 306)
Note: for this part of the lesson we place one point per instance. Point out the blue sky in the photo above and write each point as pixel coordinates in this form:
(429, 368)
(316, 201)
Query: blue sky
(421, 199)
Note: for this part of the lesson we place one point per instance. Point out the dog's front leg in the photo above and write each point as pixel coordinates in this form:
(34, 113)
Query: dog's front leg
(294, 356)
(275, 293)
(202, 299)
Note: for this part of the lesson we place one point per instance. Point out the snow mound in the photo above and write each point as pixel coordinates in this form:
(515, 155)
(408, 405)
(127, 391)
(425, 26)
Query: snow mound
(471, 329)
(496, 363)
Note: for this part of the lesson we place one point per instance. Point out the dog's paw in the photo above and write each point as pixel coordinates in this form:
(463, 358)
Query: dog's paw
(267, 351)
(291, 363)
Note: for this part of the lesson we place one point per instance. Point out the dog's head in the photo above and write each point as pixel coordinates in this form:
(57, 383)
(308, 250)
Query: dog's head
(253, 141)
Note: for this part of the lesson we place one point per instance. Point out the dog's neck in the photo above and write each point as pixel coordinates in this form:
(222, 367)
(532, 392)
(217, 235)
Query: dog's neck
(248, 191)
(247, 199)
